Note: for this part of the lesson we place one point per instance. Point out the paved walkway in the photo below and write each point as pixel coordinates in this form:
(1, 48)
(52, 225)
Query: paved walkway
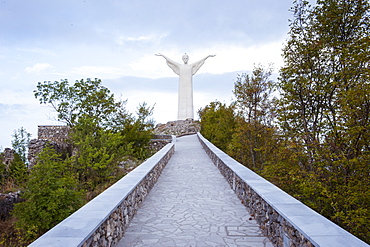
(192, 205)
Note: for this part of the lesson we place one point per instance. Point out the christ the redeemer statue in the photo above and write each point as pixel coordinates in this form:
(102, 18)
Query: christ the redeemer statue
(186, 72)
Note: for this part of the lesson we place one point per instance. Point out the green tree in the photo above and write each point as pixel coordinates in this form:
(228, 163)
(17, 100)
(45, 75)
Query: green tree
(97, 153)
(136, 131)
(90, 99)
(18, 172)
(50, 195)
(253, 95)
(103, 133)
(20, 141)
(303, 88)
(252, 144)
(253, 139)
(324, 83)
(84, 97)
(344, 30)
(324, 107)
(217, 123)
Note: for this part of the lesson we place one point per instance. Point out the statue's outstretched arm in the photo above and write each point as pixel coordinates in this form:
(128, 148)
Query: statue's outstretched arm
(172, 64)
(165, 57)
(196, 66)
(210, 56)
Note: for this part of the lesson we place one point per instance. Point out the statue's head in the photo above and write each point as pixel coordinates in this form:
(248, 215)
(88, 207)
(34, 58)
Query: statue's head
(185, 58)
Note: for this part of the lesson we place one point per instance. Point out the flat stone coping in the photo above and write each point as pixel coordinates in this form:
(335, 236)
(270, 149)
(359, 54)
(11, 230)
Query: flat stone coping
(316, 228)
(78, 227)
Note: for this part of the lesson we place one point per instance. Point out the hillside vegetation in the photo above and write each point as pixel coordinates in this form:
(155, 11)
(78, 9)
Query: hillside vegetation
(309, 132)
(106, 141)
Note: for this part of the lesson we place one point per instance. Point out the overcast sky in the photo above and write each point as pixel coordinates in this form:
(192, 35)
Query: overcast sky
(115, 40)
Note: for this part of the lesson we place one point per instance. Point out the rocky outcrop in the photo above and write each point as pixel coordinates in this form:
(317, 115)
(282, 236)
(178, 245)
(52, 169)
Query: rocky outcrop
(7, 203)
(178, 128)
(8, 156)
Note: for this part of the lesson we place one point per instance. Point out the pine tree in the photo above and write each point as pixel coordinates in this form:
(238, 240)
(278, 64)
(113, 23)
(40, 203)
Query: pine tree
(50, 195)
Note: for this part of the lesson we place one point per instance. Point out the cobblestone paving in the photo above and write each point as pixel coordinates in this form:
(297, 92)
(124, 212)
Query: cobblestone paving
(192, 205)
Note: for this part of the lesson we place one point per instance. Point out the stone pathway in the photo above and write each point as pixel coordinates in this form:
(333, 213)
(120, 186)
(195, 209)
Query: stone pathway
(192, 205)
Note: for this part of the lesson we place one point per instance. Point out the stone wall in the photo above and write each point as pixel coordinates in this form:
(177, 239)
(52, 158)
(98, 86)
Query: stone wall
(159, 141)
(112, 230)
(286, 221)
(55, 136)
(35, 146)
(53, 133)
(103, 220)
(273, 225)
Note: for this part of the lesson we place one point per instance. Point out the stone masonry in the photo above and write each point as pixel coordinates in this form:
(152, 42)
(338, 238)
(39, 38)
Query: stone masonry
(54, 135)
(112, 230)
(192, 205)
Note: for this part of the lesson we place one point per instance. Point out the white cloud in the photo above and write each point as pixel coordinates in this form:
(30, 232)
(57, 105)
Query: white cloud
(9, 96)
(119, 47)
(121, 40)
(238, 58)
(165, 103)
(40, 51)
(151, 66)
(105, 72)
(38, 67)
(28, 116)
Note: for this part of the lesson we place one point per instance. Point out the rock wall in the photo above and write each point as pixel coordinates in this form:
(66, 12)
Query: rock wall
(8, 156)
(55, 136)
(178, 128)
(7, 203)
(53, 133)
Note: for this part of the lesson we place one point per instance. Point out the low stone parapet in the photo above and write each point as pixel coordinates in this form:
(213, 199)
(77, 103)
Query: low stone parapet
(159, 141)
(285, 220)
(103, 220)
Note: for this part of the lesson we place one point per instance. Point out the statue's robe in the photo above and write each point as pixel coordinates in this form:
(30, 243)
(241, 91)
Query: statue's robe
(185, 94)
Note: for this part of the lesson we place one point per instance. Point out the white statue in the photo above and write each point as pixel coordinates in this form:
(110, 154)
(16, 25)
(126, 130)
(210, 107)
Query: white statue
(186, 72)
